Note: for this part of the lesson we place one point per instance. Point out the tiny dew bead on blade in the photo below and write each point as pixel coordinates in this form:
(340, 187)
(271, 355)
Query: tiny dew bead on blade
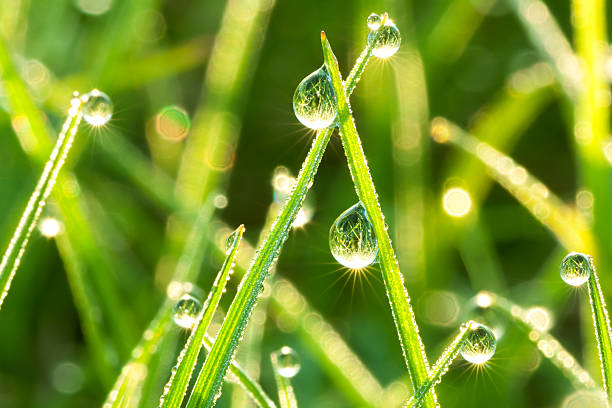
(97, 108)
(186, 311)
(479, 345)
(576, 268)
(352, 240)
(288, 362)
(314, 100)
(386, 38)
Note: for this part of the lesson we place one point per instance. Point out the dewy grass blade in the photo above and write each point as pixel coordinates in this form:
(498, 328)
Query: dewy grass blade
(19, 241)
(286, 395)
(440, 368)
(176, 387)
(412, 346)
(208, 384)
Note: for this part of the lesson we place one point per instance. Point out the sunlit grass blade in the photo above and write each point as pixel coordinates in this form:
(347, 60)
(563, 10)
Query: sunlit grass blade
(546, 344)
(564, 222)
(176, 388)
(286, 395)
(19, 241)
(412, 345)
(440, 368)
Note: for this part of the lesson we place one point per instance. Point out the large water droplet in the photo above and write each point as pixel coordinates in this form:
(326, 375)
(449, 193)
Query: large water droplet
(576, 268)
(229, 241)
(288, 362)
(97, 108)
(374, 21)
(352, 240)
(387, 38)
(479, 345)
(186, 310)
(314, 100)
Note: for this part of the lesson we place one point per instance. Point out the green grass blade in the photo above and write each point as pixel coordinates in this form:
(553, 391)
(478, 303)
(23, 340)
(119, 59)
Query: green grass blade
(176, 387)
(412, 345)
(19, 241)
(286, 395)
(440, 368)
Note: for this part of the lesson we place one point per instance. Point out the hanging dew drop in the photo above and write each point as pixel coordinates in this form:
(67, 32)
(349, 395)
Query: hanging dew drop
(314, 100)
(374, 21)
(387, 39)
(576, 268)
(229, 241)
(186, 310)
(352, 240)
(288, 362)
(479, 346)
(97, 108)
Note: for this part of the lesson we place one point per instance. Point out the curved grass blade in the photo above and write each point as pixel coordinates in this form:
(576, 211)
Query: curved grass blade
(176, 387)
(412, 345)
(19, 241)
(286, 395)
(440, 368)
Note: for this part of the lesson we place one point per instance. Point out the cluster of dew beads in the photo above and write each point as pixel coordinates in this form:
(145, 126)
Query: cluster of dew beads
(314, 100)
(288, 362)
(186, 311)
(386, 37)
(352, 240)
(479, 345)
(97, 108)
(576, 268)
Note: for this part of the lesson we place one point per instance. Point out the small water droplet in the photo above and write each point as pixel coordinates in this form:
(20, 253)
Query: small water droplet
(576, 268)
(97, 108)
(374, 21)
(229, 241)
(314, 100)
(352, 240)
(186, 310)
(479, 345)
(387, 38)
(288, 362)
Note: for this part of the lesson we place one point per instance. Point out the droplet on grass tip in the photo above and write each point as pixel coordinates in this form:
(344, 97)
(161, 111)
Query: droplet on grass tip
(576, 268)
(374, 21)
(186, 310)
(97, 108)
(314, 100)
(479, 345)
(229, 241)
(288, 362)
(352, 240)
(387, 39)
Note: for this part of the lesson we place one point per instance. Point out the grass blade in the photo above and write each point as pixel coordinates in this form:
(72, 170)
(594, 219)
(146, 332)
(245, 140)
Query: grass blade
(179, 380)
(412, 345)
(286, 395)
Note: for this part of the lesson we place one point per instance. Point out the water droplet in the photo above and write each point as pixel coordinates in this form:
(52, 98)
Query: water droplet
(229, 241)
(374, 21)
(388, 40)
(352, 240)
(288, 362)
(576, 268)
(479, 345)
(97, 108)
(186, 310)
(314, 100)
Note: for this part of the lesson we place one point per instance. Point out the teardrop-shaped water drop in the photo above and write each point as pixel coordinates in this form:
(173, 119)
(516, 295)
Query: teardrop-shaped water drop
(576, 268)
(374, 21)
(352, 240)
(479, 345)
(97, 108)
(387, 39)
(186, 310)
(288, 362)
(229, 241)
(314, 100)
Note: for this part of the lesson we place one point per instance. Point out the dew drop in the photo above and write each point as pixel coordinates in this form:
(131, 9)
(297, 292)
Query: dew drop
(387, 39)
(374, 21)
(352, 240)
(186, 310)
(479, 345)
(314, 100)
(229, 241)
(576, 268)
(288, 362)
(97, 108)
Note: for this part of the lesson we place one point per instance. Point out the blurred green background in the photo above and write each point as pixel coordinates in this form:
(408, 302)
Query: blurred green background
(470, 61)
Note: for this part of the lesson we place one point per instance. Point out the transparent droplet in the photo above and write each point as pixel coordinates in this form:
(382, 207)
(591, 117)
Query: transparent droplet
(186, 310)
(374, 21)
(479, 346)
(387, 38)
(314, 100)
(229, 241)
(97, 108)
(288, 362)
(576, 268)
(352, 240)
